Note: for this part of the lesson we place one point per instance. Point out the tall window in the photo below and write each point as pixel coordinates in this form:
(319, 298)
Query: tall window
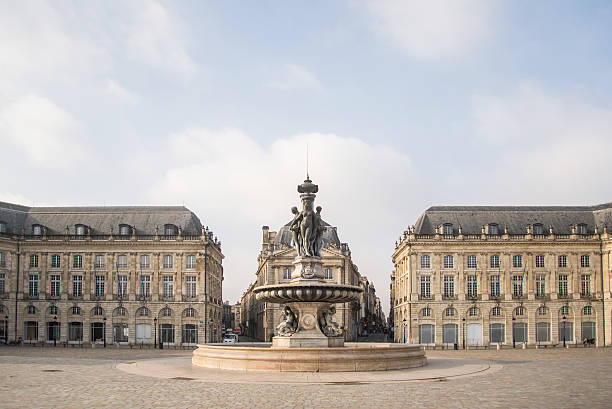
(33, 260)
(540, 285)
(99, 286)
(517, 285)
(145, 286)
(55, 285)
(99, 263)
(448, 261)
(2, 227)
(122, 261)
(56, 261)
(425, 262)
(328, 274)
(168, 261)
(191, 261)
(539, 261)
(562, 260)
(144, 261)
(471, 261)
(122, 285)
(494, 286)
(2, 283)
(517, 261)
(33, 285)
(563, 285)
(425, 286)
(585, 261)
(191, 286)
(472, 286)
(77, 286)
(494, 261)
(77, 261)
(2, 259)
(168, 286)
(286, 273)
(585, 284)
(449, 286)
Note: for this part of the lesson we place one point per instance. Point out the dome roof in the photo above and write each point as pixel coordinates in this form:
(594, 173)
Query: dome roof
(330, 235)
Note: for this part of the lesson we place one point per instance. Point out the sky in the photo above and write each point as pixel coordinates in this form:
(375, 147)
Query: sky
(403, 105)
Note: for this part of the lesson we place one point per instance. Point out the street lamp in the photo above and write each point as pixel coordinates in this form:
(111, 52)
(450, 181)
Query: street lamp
(6, 329)
(104, 329)
(513, 336)
(55, 331)
(154, 332)
(564, 331)
(463, 321)
(211, 330)
(404, 330)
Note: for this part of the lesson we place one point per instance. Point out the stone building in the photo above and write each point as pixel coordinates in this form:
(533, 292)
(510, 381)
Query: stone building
(275, 265)
(122, 275)
(371, 317)
(504, 275)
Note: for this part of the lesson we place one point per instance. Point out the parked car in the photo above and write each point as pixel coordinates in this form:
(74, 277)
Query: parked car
(230, 339)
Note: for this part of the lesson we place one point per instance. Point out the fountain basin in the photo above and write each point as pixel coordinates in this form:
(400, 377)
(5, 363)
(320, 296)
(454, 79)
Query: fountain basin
(352, 357)
(307, 291)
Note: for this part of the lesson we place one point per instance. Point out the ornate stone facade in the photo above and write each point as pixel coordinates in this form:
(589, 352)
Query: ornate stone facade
(122, 275)
(504, 275)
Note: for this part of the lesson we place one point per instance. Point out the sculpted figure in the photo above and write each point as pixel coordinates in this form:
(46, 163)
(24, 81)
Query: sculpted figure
(317, 243)
(296, 237)
(288, 325)
(327, 324)
(307, 227)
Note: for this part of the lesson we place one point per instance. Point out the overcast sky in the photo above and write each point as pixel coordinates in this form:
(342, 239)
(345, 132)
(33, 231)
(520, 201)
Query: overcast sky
(404, 105)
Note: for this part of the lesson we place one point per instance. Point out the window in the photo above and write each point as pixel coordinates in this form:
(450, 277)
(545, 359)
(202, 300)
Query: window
(472, 286)
(449, 286)
(539, 261)
(425, 287)
(36, 229)
(166, 312)
(75, 332)
(30, 331)
(122, 286)
(520, 332)
(517, 261)
(493, 229)
(517, 286)
(562, 261)
(497, 333)
(2, 284)
(588, 330)
(540, 285)
(77, 261)
(56, 261)
(448, 261)
(2, 227)
(145, 286)
(168, 261)
(473, 312)
(97, 311)
(450, 333)
(96, 332)
(519, 311)
(449, 312)
(124, 230)
(120, 311)
(585, 261)
(585, 284)
(542, 311)
(286, 273)
(494, 261)
(565, 310)
(582, 229)
(588, 310)
(31, 309)
(166, 332)
(566, 331)
(33, 285)
(99, 263)
(538, 229)
(76, 310)
(55, 285)
(191, 286)
(122, 261)
(53, 310)
(189, 312)
(328, 274)
(2, 259)
(33, 260)
(427, 334)
(471, 261)
(191, 261)
(77, 286)
(120, 333)
(447, 229)
(425, 262)
(426, 312)
(144, 261)
(143, 333)
(189, 334)
(99, 286)
(563, 285)
(169, 230)
(496, 311)
(542, 332)
(168, 286)
(494, 286)
(80, 230)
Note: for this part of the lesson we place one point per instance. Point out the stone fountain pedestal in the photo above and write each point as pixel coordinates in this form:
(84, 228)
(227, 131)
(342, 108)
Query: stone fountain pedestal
(309, 333)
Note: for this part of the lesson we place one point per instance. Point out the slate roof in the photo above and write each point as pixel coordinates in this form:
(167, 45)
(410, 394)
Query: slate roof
(99, 219)
(516, 218)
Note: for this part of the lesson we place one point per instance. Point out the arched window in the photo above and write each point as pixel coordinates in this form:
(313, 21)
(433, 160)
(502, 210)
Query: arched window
(449, 312)
(519, 311)
(97, 311)
(473, 312)
(31, 309)
(588, 310)
(143, 312)
(80, 229)
(189, 312)
(426, 312)
(166, 312)
(37, 229)
(542, 311)
(76, 310)
(120, 312)
(496, 311)
(493, 229)
(53, 310)
(125, 230)
(170, 230)
(565, 310)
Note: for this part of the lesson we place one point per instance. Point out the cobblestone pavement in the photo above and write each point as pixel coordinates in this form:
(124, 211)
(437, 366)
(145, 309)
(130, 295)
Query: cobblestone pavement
(88, 378)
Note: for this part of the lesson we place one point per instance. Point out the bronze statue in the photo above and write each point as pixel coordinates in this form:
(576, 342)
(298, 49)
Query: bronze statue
(327, 324)
(307, 226)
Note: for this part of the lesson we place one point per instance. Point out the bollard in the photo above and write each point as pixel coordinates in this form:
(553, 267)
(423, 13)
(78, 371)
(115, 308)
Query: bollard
(498, 347)
(524, 345)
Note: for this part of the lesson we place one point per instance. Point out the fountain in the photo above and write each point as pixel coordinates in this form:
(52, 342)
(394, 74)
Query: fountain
(308, 340)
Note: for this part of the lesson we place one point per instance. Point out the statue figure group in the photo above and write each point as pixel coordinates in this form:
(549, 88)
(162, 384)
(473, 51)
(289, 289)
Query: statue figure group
(289, 324)
(306, 230)
(327, 324)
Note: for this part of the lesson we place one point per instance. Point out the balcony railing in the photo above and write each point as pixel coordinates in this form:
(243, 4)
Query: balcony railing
(425, 297)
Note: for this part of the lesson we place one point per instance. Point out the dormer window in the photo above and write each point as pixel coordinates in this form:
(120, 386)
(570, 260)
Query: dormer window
(582, 228)
(2, 227)
(124, 230)
(170, 230)
(447, 228)
(538, 229)
(80, 229)
(37, 229)
(493, 229)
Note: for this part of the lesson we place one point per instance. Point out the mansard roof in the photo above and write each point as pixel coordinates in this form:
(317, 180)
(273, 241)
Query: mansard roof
(515, 218)
(99, 219)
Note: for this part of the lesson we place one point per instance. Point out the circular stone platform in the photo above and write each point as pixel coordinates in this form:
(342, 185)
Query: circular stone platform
(352, 357)
(182, 369)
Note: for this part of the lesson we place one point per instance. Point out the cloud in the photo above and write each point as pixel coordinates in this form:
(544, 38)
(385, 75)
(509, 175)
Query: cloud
(46, 133)
(236, 185)
(115, 90)
(431, 29)
(545, 147)
(295, 77)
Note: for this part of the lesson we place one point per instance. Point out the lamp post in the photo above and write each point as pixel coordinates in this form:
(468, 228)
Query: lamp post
(155, 333)
(463, 322)
(6, 329)
(211, 330)
(564, 331)
(104, 329)
(513, 335)
(55, 331)
(404, 330)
